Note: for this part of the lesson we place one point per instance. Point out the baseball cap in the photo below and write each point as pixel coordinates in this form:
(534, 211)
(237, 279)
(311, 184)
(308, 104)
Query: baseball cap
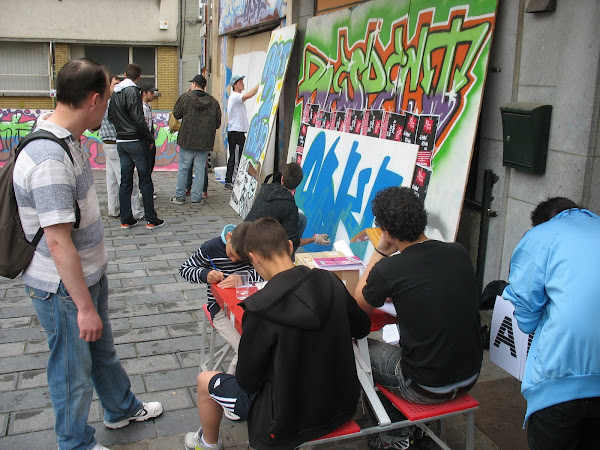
(147, 87)
(199, 80)
(236, 78)
(229, 227)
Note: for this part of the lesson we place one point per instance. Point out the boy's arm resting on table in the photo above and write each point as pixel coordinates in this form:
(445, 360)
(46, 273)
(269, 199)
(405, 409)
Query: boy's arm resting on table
(65, 257)
(254, 354)
(196, 268)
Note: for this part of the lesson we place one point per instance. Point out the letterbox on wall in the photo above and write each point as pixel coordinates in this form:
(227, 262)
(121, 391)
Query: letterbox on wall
(526, 130)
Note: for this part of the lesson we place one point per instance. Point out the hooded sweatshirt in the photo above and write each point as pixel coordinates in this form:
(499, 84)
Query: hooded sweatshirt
(126, 113)
(276, 201)
(296, 355)
(201, 116)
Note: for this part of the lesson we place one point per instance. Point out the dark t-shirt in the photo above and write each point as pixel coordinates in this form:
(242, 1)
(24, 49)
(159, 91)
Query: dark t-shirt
(434, 289)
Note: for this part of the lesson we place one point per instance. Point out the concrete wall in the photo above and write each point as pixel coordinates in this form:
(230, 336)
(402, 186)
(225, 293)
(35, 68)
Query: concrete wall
(549, 58)
(95, 21)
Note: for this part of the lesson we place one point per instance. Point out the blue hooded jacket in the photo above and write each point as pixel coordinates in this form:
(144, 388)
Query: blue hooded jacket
(554, 284)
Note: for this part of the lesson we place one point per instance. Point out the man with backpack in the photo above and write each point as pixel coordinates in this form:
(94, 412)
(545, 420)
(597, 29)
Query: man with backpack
(66, 278)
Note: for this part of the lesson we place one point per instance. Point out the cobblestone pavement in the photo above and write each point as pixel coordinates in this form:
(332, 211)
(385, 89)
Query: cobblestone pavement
(156, 321)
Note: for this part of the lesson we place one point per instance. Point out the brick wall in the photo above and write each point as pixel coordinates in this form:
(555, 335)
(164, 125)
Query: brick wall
(167, 78)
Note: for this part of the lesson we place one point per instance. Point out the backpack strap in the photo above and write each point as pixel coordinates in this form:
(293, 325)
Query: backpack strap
(43, 134)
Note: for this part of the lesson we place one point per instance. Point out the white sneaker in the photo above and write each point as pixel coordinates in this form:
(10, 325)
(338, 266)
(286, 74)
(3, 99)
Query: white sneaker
(147, 411)
(99, 447)
(193, 441)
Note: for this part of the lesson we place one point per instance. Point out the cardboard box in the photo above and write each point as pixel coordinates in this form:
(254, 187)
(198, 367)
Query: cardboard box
(349, 277)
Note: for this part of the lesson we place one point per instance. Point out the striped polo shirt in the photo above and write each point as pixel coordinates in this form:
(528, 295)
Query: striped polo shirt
(46, 186)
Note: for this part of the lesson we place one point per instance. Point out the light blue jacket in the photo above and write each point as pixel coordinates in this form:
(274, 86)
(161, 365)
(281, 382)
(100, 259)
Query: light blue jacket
(554, 284)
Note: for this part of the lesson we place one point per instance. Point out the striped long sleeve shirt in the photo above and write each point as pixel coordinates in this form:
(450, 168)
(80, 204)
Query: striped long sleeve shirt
(196, 268)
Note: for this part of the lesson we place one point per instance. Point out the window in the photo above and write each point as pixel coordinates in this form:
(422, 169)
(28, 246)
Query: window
(25, 68)
(116, 59)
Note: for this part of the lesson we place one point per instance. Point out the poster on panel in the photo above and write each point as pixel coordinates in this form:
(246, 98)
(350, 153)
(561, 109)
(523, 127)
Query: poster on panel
(417, 69)
(263, 119)
(342, 174)
(236, 15)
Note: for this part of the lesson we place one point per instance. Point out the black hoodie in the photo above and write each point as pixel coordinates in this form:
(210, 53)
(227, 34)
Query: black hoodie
(296, 355)
(274, 200)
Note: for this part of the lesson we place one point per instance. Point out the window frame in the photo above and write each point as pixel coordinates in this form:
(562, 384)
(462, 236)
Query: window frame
(49, 56)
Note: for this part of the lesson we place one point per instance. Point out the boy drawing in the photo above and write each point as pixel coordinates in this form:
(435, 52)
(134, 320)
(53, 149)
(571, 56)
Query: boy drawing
(296, 378)
(215, 262)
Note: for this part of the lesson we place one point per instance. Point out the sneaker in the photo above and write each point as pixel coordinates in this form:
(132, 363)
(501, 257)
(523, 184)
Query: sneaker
(228, 185)
(149, 410)
(196, 202)
(154, 195)
(126, 226)
(177, 201)
(99, 447)
(193, 441)
(204, 194)
(156, 224)
(188, 192)
(387, 440)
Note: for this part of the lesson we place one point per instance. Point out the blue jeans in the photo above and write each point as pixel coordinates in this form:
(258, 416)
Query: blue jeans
(187, 160)
(387, 371)
(134, 155)
(73, 362)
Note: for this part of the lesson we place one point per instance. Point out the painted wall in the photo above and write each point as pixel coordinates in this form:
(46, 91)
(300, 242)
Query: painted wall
(423, 60)
(236, 15)
(16, 123)
(69, 20)
(263, 119)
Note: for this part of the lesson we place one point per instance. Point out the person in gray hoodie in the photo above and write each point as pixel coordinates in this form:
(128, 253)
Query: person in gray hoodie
(200, 116)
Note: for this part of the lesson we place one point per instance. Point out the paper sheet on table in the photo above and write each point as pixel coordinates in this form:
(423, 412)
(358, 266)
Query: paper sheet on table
(390, 333)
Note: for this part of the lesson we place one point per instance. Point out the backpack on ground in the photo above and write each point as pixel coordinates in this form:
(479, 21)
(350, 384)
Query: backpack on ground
(16, 251)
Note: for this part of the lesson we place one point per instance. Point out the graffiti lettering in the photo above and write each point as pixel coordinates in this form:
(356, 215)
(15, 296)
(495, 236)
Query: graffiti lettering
(430, 72)
(273, 72)
(237, 14)
(337, 190)
(16, 123)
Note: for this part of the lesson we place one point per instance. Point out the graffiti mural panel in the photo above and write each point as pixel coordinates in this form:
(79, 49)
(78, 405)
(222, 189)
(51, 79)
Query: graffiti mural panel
(342, 174)
(263, 119)
(421, 61)
(238, 14)
(16, 123)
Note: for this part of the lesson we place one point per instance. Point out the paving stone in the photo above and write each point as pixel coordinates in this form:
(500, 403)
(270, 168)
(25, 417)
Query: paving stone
(45, 440)
(122, 247)
(178, 422)
(127, 274)
(165, 346)
(161, 244)
(118, 241)
(146, 280)
(24, 400)
(140, 335)
(128, 260)
(26, 421)
(120, 324)
(142, 265)
(126, 351)
(124, 291)
(12, 349)
(150, 364)
(32, 379)
(23, 362)
(181, 256)
(185, 329)
(161, 319)
(184, 305)
(163, 271)
(21, 334)
(172, 379)
(135, 431)
(7, 381)
(129, 311)
(3, 423)
(171, 399)
(190, 359)
(15, 322)
(17, 311)
(36, 346)
(137, 252)
(155, 298)
(22, 300)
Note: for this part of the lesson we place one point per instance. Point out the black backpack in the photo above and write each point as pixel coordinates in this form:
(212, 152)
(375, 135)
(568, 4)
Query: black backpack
(16, 251)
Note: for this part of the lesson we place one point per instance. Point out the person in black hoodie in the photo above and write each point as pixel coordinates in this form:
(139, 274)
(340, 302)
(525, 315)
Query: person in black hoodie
(296, 376)
(277, 200)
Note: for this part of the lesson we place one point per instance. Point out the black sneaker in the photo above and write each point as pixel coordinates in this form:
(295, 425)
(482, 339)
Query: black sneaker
(155, 224)
(126, 226)
(228, 185)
